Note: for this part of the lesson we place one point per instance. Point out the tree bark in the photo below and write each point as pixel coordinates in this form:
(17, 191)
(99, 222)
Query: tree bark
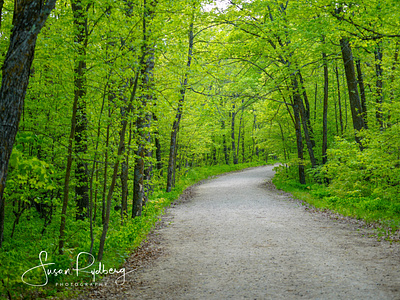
(226, 154)
(233, 115)
(339, 101)
(299, 141)
(307, 110)
(178, 116)
(325, 112)
(28, 20)
(299, 105)
(80, 90)
(355, 105)
(379, 84)
(362, 91)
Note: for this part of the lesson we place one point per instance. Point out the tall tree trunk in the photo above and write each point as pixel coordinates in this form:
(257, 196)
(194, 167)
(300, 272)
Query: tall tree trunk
(61, 240)
(307, 110)
(233, 115)
(339, 101)
(239, 135)
(143, 118)
(92, 204)
(29, 18)
(157, 143)
(283, 142)
(355, 105)
(315, 102)
(299, 104)
(299, 141)
(226, 154)
(362, 91)
(178, 116)
(124, 178)
(253, 137)
(392, 78)
(81, 40)
(379, 84)
(325, 112)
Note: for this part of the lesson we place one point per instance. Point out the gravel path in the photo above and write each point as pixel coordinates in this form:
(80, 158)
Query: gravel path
(237, 239)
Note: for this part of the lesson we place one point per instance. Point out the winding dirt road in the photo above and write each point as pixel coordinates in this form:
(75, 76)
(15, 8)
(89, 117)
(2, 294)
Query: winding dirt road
(237, 239)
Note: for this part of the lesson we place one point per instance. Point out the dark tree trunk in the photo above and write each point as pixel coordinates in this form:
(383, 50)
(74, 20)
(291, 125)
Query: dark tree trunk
(299, 104)
(111, 97)
(325, 112)
(392, 78)
(299, 141)
(29, 18)
(226, 154)
(124, 185)
(355, 105)
(178, 116)
(283, 142)
(143, 119)
(362, 91)
(253, 137)
(315, 102)
(233, 115)
(61, 240)
(243, 140)
(157, 143)
(307, 110)
(81, 40)
(379, 84)
(239, 135)
(339, 101)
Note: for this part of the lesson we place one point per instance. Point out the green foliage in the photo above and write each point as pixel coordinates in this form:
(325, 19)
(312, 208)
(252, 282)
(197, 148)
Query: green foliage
(21, 253)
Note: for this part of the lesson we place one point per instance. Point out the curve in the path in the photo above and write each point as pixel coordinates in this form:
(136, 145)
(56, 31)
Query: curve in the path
(237, 240)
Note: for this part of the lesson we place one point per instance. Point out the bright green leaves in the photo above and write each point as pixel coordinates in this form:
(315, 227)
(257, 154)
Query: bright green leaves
(30, 178)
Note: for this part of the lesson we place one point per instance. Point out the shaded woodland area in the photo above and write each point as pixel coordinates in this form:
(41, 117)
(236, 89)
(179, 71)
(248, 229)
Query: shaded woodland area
(128, 99)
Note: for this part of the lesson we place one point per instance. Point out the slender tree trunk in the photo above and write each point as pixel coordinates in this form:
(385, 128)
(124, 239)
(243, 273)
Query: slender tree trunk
(253, 137)
(283, 142)
(233, 115)
(29, 18)
(355, 105)
(125, 176)
(362, 91)
(299, 141)
(226, 154)
(61, 241)
(339, 101)
(239, 135)
(307, 110)
(325, 112)
(105, 176)
(315, 102)
(178, 116)
(243, 140)
(379, 84)
(392, 77)
(157, 143)
(81, 40)
(95, 169)
(299, 104)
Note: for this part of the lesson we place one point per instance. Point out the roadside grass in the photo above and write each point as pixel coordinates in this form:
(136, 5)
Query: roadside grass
(380, 213)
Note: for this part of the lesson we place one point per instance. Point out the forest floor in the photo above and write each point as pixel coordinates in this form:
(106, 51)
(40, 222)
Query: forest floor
(237, 237)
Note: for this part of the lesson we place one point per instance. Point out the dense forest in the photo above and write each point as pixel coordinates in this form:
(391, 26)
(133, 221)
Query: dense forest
(129, 99)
